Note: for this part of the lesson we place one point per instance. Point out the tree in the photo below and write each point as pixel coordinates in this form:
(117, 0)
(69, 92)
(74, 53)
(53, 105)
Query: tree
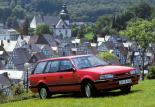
(108, 57)
(25, 29)
(81, 31)
(5, 13)
(119, 22)
(75, 30)
(12, 23)
(102, 26)
(18, 11)
(143, 10)
(142, 32)
(42, 29)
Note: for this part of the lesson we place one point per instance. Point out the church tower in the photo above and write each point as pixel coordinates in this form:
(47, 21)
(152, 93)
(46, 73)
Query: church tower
(64, 15)
(63, 26)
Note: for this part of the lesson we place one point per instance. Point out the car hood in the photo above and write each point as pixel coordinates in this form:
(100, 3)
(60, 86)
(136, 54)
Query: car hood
(109, 69)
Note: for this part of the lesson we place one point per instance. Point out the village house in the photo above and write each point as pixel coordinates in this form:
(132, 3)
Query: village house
(118, 50)
(8, 45)
(8, 34)
(49, 20)
(12, 75)
(5, 84)
(17, 59)
(3, 57)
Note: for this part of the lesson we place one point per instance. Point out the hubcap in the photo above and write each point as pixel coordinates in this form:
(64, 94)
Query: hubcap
(43, 93)
(88, 90)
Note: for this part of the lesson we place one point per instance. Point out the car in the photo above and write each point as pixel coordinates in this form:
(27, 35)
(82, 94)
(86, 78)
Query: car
(81, 73)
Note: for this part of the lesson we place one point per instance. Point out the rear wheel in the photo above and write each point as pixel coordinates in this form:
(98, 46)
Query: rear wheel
(125, 89)
(88, 90)
(44, 92)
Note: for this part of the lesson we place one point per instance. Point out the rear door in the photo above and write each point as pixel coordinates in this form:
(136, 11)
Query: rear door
(52, 76)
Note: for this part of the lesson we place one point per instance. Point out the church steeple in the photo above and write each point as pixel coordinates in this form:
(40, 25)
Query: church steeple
(64, 13)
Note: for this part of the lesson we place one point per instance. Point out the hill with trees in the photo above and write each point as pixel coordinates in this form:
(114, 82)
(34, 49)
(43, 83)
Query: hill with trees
(81, 10)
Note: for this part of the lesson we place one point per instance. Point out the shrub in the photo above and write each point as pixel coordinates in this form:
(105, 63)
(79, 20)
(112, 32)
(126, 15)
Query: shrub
(108, 57)
(151, 73)
(2, 97)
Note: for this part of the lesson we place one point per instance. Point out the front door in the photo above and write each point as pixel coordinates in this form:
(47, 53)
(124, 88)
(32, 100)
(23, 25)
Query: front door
(68, 77)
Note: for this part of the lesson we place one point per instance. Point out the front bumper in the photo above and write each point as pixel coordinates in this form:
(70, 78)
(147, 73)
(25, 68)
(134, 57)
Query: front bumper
(114, 83)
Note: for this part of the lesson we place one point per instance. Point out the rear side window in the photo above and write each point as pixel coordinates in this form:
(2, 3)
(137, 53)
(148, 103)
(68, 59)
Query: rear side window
(52, 66)
(65, 65)
(40, 67)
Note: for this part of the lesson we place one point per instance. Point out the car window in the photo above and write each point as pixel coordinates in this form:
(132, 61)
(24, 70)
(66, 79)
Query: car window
(82, 62)
(88, 62)
(65, 65)
(40, 67)
(52, 66)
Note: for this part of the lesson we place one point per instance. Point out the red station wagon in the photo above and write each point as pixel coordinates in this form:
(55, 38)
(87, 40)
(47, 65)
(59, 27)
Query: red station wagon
(83, 73)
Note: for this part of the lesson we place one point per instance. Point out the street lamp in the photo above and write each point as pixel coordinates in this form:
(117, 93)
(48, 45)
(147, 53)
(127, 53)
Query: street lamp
(26, 65)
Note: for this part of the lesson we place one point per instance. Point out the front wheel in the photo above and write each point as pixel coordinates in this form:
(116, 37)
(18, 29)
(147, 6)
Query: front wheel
(88, 90)
(44, 93)
(125, 89)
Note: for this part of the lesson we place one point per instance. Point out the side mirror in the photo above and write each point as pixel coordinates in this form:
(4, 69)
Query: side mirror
(73, 69)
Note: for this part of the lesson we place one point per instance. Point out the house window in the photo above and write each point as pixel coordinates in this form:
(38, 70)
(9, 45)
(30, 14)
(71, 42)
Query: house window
(10, 65)
(138, 60)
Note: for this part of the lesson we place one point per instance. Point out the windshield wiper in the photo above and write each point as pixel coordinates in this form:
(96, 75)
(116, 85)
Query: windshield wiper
(85, 67)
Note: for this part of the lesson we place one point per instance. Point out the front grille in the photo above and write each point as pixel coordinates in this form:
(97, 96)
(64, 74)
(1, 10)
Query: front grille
(122, 75)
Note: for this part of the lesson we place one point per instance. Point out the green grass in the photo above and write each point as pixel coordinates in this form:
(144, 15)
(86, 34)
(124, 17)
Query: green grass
(142, 95)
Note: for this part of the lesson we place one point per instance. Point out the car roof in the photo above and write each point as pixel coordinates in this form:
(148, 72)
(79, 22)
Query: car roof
(61, 58)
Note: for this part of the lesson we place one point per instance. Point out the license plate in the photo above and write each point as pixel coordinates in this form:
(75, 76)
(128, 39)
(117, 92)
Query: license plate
(127, 81)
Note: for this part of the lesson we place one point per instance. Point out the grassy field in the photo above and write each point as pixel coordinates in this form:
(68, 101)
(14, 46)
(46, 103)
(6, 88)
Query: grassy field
(142, 95)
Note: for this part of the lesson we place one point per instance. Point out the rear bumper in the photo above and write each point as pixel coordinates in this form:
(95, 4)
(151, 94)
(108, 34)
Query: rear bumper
(114, 83)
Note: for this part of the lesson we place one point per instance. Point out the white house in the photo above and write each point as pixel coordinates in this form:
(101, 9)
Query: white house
(8, 34)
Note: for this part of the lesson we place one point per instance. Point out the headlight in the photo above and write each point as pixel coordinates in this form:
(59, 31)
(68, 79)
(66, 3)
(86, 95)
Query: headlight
(134, 72)
(106, 76)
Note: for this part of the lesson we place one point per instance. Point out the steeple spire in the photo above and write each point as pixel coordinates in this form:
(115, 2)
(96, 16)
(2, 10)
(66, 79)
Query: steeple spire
(64, 13)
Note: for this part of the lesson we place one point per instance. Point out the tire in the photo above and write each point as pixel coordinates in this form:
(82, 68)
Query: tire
(88, 90)
(125, 89)
(44, 92)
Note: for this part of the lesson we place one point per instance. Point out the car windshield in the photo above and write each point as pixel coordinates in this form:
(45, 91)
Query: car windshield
(88, 62)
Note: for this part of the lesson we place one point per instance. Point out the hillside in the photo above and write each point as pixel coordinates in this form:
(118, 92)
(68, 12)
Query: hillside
(79, 9)
(141, 96)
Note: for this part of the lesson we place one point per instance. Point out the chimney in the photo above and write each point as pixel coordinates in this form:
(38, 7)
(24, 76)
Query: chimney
(30, 46)
(8, 41)
(22, 37)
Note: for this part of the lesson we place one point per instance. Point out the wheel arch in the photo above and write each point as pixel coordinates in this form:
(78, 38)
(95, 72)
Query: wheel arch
(86, 80)
(41, 84)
